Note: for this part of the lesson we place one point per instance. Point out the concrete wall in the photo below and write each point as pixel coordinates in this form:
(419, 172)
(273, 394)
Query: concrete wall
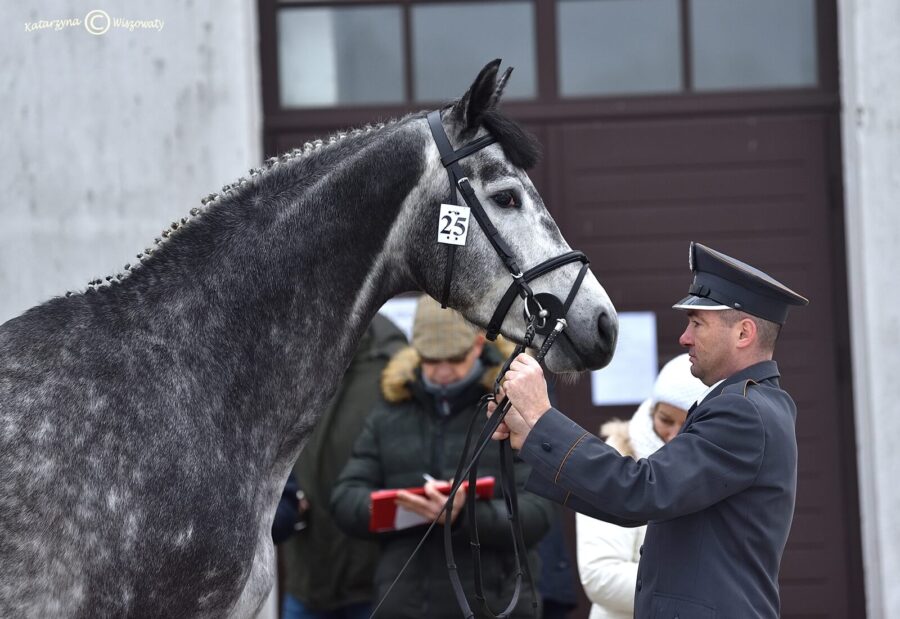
(107, 138)
(870, 85)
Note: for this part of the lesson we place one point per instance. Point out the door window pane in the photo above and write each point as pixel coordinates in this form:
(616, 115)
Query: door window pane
(618, 47)
(340, 56)
(740, 44)
(452, 42)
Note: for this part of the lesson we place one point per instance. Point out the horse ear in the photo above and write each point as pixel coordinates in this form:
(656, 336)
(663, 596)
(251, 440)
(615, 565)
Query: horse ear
(498, 90)
(478, 98)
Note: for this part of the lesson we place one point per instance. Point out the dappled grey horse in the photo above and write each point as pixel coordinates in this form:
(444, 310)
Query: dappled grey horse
(148, 424)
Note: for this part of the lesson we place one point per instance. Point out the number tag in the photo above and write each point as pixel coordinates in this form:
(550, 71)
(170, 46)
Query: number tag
(453, 224)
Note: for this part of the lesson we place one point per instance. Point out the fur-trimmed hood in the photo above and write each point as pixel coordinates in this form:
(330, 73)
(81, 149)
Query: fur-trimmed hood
(616, 433)
(400, 371)
(636, 437)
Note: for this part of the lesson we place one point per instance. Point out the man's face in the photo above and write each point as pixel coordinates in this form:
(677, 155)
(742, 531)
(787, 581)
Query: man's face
(710, 345)
(449, 371)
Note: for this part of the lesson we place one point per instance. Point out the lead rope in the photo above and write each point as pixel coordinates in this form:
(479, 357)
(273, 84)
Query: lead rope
(508, 484)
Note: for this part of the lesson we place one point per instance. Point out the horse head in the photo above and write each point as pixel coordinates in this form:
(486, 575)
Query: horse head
(481, 278)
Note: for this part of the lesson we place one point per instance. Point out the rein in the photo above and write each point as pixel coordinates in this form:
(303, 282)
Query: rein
(544, 314)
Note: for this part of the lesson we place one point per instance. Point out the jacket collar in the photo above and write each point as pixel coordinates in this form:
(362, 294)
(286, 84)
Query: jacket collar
(402, 371)
(461, 401)
(758, 372)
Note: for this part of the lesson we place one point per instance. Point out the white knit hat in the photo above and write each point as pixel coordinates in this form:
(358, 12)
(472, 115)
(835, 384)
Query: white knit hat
(675, 384)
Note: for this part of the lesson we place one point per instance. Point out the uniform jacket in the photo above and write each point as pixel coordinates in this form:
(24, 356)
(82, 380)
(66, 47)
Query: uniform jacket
(403, 438)
(325, 568)
(719, 498)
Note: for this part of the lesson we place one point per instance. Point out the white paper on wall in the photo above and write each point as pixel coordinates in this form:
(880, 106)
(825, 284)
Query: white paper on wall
(629, 378)
(400, 311)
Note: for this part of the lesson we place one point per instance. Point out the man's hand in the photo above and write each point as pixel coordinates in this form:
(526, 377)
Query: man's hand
(526, 389)
(513, 427)
(432, 503)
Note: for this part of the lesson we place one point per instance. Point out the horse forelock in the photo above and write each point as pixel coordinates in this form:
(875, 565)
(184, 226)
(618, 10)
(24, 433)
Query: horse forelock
(521, 148)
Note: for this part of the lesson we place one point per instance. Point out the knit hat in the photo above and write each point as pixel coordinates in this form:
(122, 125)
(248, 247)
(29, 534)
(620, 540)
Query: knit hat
(675, 384)
(441, 333)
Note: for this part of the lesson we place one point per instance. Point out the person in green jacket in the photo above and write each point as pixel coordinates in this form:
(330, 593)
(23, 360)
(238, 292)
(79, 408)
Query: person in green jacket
(328, 575)
(429, 393)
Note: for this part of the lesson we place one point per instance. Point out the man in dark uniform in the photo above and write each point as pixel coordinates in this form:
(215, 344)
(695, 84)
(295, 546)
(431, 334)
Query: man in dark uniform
(719, 498)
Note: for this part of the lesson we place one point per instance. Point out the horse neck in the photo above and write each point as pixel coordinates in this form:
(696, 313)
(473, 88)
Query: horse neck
(275, 284)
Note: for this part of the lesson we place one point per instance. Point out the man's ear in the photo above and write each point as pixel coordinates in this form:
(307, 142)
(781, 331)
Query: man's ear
(747, 335)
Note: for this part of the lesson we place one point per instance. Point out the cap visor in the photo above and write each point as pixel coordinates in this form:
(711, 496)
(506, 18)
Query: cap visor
(699, 303)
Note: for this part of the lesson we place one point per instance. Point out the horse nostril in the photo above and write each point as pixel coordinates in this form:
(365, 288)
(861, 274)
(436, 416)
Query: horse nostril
(605, 326)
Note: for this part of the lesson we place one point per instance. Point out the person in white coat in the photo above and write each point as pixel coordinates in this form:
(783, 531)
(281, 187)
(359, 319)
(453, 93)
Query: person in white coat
(608, 554)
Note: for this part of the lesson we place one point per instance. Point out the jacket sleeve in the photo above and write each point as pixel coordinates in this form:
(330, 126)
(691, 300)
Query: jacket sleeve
(539, 485)
(362, 474)
(718, 455)
(535, 514)
(607, 563)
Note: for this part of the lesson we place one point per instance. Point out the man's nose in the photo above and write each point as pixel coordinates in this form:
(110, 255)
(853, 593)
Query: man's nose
(685, 339)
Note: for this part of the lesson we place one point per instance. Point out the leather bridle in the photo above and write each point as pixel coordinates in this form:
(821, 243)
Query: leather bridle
(534, 304)
(544, 313)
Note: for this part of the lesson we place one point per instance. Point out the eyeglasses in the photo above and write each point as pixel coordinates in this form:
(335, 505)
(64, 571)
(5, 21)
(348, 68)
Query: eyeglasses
(451, 360)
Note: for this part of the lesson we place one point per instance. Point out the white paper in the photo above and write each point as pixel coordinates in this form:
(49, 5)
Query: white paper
(629, 378)
(403, 518)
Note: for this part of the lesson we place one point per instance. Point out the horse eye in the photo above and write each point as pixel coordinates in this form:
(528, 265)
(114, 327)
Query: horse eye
(505, 199)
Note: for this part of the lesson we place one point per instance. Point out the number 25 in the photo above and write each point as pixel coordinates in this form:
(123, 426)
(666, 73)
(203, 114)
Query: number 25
(460, 224)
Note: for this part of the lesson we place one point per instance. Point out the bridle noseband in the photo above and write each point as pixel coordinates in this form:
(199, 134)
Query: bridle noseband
(544, 313)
